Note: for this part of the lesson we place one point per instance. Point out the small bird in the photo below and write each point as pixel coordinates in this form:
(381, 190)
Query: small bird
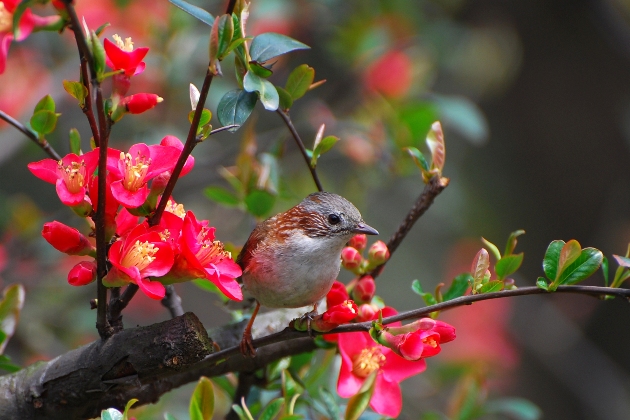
(292, 259)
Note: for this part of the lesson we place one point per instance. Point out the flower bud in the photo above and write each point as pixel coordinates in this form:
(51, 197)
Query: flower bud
(331, 319)
(83, 273)
(351, 259)
(337, 294)
(417, 340)
(364, 290)
(67, 239)
(358, 242)
(378, 253)
(141, 102)
(367, 312)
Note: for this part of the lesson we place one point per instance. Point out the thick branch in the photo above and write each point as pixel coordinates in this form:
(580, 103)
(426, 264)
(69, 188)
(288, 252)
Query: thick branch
(28, 133)
(287, 120)
(147, 362)
(435, 186)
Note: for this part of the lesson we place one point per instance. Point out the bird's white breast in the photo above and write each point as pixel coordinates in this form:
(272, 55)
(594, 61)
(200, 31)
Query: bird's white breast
(299, 273)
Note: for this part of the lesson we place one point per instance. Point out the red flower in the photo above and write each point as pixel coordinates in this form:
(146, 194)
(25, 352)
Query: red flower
(419, 339)
(137, 257)
(134, 169)
(70, 175)
(337, 294)
(351, 259)
(125, 222)
(332, 318)
(358, 242)
(378, 253)
(27, 23)
(122, 56)
(390, 74)
(360, 356)
(83, 273)
(203, 257)
(141, 102)
(67, 239)
(364, 290)
(176, 143)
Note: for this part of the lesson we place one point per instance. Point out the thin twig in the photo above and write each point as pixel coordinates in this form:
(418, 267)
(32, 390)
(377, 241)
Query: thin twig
(290, 334)
(28, 133)
(173, 302)
(87, 108)
(287, 120)
(117, 304)
(435, 186)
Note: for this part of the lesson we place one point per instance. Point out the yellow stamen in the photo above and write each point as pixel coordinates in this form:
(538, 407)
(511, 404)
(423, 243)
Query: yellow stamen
(73, 175)
(6, 19)
(135, 171)
(140, 255)
(430, 341)
(367, 361)
(176, 209)
(125, 46)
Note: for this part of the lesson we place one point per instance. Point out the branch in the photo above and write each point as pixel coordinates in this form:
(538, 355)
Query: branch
(173, 302)
(435, 186)
(28, 133)
(87, 108)
(147, 362)
(117, 304)
(287, 120)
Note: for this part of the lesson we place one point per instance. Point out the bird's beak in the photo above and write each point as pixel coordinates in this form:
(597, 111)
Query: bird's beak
(363, 228)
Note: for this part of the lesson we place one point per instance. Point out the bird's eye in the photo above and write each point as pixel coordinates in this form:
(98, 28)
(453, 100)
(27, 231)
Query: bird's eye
(333, 219)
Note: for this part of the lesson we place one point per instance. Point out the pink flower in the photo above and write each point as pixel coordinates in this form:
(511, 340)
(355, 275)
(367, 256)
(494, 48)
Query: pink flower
(360, 356)
(141, 255)
(332, 318)
(337, 294)
(141, 102)
(134, 169)
(358, 242)
(364, 290)
(203, 257)
(70, 175)
(27, 23)
(176, 143)
(83, 273)
(125, 222)
(351, 259)
(121, 56)
(67, 239)
(419, 339)
(378, 253)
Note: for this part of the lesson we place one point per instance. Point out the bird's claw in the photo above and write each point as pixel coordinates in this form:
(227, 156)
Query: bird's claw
(246, 345)
(309, 317)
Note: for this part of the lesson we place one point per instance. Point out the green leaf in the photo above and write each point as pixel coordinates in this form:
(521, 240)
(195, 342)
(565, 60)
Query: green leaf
(550, 261)
(514, 408)
(194, 11)
(77, 90)
(234, 44)
(605, 270)
(259, 202)
(6, 364)
(128, 407)
(47, 103)
(492, 286)
(260, 70)
(206, 117)
(202, 400)
(463, 115)
(542, 283)
(508, 265)
(235, 107)
(286, 101)
(98, 53)
(101, 28)
(300, 80)
(222, 196)
(492, 247)
(570, 252)
(266, 91)
(322, 147)
(458, 287)
(418, 158)
(269, 45)
(428, 298)
(272, 409)
(240, 412)
(359, 402)
(330, 403)
(75, 141)
(511, 242)
(44, 122)
(169, 416)
(220, 39)
(584, 266)
(10, 307)
(111, 414)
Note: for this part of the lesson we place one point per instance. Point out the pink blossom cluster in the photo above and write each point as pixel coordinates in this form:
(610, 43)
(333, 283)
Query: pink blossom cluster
(180, 248)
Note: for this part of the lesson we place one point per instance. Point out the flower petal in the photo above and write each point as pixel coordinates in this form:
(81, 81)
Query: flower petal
(153, 289)
(387, 398)
(397, 369)
(129, 199)
(46, 170)
(68, 198)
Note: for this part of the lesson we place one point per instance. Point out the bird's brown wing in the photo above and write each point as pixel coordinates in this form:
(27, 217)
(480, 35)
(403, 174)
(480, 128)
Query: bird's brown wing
(250, 246)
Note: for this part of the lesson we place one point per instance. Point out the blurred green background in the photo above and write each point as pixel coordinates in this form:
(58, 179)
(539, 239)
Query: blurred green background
(534, 98)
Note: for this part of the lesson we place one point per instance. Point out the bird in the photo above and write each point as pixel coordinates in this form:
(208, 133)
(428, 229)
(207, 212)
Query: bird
(292, 259)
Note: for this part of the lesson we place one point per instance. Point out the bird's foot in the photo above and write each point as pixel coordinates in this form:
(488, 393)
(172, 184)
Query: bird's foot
(308, 317)
(247, 347)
